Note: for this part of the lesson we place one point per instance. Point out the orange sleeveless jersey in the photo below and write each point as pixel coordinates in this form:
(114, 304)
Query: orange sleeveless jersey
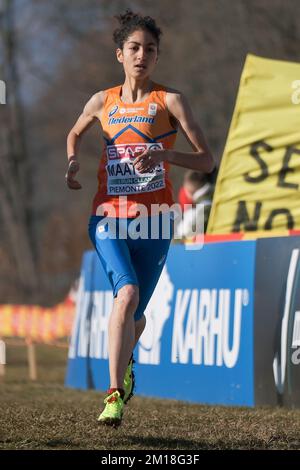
(130, 128)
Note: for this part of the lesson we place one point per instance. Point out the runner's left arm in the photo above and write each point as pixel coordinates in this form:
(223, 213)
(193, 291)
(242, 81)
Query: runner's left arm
(201, 158)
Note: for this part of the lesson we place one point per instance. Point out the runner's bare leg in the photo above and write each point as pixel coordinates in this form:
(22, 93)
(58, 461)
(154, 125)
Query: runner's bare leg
(139, 328)
(121, 333)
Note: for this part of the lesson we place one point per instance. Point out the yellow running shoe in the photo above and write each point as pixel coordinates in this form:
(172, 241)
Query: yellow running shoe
(113, 411)
(129, 381)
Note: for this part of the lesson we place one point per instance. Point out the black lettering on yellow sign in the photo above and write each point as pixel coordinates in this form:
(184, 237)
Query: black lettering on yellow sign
(275, 213)
(251, 222)
(245, 223)
(264, 173)
(286, 169)
(254, 152)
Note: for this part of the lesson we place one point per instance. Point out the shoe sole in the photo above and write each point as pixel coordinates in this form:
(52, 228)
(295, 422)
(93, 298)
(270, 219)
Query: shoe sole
(114, 422)
(133, 385)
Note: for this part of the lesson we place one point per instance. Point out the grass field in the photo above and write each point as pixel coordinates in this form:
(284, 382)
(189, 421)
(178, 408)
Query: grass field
(46, 415)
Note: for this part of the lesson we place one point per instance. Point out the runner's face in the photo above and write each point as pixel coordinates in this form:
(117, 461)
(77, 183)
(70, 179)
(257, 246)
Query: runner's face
(139, 55)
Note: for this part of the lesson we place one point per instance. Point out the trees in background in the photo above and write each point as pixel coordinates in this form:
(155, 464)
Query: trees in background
(53, 57)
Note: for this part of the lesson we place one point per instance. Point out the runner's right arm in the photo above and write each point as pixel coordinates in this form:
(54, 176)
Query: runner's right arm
(90, 115)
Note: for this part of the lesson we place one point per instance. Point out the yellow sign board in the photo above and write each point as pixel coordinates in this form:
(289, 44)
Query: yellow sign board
(258, 185)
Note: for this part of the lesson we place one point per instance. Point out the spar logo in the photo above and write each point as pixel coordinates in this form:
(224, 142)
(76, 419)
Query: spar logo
(113, 110)
(117, 152)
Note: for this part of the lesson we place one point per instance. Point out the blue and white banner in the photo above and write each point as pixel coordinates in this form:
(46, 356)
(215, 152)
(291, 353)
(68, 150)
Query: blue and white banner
(277, 322)
(198, 342)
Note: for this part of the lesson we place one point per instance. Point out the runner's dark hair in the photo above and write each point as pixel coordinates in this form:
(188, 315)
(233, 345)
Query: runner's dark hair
(131, 22)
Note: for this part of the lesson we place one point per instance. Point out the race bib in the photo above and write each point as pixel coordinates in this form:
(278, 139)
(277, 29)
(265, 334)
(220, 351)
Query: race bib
(122, 176)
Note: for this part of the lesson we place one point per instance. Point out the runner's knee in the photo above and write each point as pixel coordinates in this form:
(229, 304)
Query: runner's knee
(128, 296)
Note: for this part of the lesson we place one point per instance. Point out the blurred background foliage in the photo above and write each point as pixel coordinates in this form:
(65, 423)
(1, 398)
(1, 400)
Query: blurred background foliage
(53, 56)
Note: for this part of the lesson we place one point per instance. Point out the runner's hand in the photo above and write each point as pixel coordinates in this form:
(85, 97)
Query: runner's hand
(148, 160)
(72, 170)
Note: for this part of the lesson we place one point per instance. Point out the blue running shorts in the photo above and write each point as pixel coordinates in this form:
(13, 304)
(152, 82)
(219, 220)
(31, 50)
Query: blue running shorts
(129, 259)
